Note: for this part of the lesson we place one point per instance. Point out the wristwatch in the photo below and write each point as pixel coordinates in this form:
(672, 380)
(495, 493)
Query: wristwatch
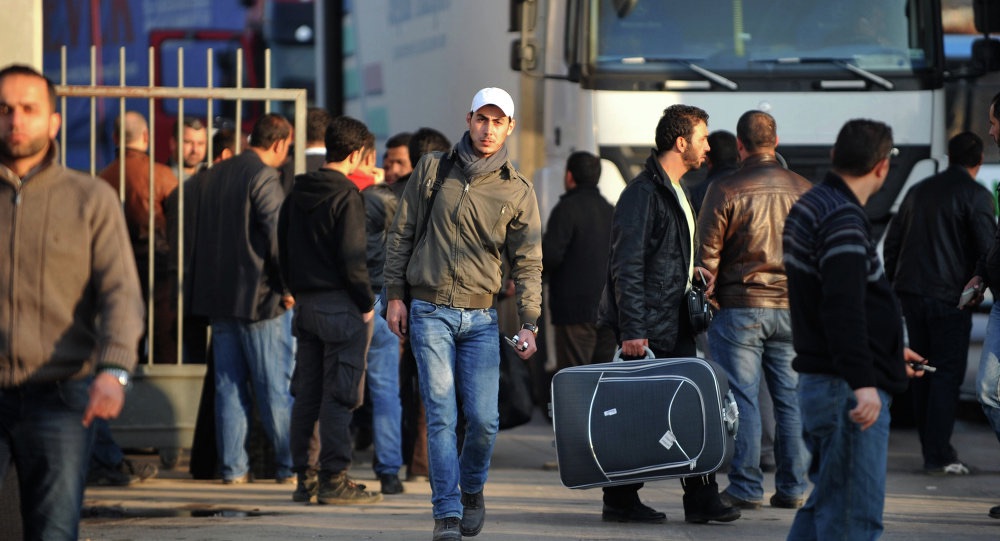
(530, 327)
(120, 374)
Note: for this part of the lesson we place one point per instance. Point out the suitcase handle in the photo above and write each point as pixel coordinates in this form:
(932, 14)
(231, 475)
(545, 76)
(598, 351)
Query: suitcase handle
(618, 354)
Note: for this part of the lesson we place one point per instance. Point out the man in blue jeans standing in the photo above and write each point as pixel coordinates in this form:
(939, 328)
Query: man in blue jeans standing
(461, 213)
(848, 335)
(740, 225)
(70, 309)
(237, 283)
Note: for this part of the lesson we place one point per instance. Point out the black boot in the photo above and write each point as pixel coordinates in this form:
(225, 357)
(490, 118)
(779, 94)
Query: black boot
(702, 504)
(307, 487)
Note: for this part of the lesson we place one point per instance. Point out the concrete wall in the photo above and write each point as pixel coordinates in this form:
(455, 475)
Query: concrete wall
(21, 33)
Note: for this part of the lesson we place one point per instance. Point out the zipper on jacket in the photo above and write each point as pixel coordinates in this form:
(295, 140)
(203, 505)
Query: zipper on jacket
(457, 240)
(11, 336)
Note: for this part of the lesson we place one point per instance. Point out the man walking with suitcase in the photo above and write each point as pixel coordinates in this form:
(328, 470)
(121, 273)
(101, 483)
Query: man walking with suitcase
(650, 269)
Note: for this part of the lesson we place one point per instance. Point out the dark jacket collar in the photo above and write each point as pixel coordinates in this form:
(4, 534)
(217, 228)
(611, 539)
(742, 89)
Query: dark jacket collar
(836, 182)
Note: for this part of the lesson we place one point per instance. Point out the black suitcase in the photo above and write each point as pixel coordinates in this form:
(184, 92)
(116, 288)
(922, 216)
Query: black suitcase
(633, 421)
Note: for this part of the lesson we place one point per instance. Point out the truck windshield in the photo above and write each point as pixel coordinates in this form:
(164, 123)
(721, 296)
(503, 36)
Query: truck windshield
(741, 38)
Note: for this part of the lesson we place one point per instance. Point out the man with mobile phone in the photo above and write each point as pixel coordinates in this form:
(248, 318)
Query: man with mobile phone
(944, 227)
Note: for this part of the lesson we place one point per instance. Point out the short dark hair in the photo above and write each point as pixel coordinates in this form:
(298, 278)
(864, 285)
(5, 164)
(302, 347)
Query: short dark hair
(192, 122)
(22, 69)
(224, 138)
(677, 121)
(861, 145)
(585, 168)
(722, 149)
(756, 130)
(401, 139)
(995, 104)
(965, 149)
(317, 119)
(270, 129)
(345, 135)
(426, 140)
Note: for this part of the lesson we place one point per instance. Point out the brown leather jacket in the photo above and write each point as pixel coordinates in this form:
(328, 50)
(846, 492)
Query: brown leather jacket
(137, 187)
(740, 227)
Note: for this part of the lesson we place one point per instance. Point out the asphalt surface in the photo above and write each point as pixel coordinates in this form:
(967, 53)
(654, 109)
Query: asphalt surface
(525, 500)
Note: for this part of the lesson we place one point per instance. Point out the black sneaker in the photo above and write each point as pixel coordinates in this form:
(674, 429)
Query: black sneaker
(637, 512)
(391, 483)
(703, 505)
(447, 529)
(104, 476)
(307, 487)
(995, 512)
(339, 489)
(473, 513)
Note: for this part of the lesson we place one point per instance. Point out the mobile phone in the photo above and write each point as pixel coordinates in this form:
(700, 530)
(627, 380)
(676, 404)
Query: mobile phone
(512, 342)
(920, 366)
(967, 296)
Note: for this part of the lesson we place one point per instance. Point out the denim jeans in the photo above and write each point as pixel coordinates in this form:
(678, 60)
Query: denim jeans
(988, 377)
(383, 389)
(458, 360)
(940, 332)
(40, 430)
(257, 354)
(848, 467)
(329, 376)
(746, 343)
(105, 451)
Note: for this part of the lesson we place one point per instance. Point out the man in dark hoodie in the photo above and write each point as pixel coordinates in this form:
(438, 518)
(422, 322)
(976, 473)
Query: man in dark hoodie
(322, 259)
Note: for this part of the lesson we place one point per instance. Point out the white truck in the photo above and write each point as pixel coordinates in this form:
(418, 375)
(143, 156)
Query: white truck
(596, 75)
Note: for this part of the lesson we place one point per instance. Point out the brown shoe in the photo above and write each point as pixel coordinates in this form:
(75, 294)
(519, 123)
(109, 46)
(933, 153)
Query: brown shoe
(339, 489)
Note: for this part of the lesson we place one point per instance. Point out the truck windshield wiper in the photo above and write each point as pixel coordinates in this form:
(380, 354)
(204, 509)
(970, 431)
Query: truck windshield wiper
(842, 62)
(690, 63)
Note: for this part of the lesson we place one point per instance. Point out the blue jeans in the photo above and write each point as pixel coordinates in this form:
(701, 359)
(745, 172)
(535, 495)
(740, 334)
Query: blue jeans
(260, 354)
(458, 360)
(383, 389)
(746, 343)
(105, 451)
(988, 377)
(40, 430)
(848, 467)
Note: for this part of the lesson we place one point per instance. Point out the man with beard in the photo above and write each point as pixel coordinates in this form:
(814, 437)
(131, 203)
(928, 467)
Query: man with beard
(70, 309)
(650, 269)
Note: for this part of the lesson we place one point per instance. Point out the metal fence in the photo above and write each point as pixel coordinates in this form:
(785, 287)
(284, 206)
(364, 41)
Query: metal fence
(239, 95)
(163, 415)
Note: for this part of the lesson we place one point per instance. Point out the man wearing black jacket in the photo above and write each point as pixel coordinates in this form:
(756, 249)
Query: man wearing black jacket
(237, 284)
(575, 262)
(944, 227)
(651, 263)
(322, 232)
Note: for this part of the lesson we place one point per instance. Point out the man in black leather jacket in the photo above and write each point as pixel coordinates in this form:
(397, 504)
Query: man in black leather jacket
(649, 270)
(944, 227)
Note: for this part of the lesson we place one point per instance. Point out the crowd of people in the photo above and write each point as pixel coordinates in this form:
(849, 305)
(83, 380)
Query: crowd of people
(352, 284)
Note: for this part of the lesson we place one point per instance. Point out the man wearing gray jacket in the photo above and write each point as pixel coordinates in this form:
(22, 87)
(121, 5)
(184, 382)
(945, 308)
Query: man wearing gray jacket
(461, 213)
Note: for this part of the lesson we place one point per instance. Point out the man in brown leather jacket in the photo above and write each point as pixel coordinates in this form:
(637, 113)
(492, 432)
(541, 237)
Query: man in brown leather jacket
(741, 226)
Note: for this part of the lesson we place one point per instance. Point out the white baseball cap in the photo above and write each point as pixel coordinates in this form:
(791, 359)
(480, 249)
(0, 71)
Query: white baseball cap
(493, 96)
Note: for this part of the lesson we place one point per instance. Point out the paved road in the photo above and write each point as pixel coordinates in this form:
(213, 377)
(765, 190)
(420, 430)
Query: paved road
(526, 501)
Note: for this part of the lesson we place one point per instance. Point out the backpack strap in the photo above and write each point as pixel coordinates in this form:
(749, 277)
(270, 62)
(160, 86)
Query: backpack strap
(444, 167)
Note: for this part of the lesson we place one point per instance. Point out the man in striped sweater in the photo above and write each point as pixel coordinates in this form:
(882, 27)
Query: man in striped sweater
(848, 336)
